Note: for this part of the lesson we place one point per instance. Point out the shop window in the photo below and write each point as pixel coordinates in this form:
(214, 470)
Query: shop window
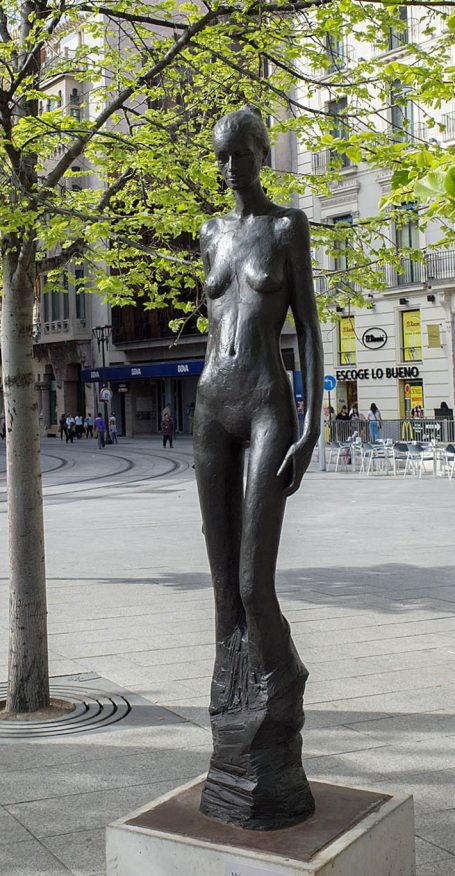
(411, 334)
(347, 340)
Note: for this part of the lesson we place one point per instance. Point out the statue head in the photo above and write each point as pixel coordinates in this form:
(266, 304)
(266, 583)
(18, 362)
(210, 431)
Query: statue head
(241, 144)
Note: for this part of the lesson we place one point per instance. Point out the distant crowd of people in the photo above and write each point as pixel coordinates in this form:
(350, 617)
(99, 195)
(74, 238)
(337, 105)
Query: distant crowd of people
(92, 427)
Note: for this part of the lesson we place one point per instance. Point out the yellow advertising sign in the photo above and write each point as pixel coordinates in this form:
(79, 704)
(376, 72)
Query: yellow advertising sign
(412, 335)
(416, 397)
(434, 335)
(347, 340)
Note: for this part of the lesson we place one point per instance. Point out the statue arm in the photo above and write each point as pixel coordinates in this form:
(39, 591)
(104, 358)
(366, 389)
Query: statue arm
(304, 310)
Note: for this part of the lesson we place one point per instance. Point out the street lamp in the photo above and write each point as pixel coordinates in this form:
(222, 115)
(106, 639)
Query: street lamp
(102, 334)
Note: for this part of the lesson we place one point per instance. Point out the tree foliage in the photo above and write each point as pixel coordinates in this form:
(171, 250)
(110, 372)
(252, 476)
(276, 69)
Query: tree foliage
(124, 182)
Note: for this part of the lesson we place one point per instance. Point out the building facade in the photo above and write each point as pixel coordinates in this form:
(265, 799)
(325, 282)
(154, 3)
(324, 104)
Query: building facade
(398, 351)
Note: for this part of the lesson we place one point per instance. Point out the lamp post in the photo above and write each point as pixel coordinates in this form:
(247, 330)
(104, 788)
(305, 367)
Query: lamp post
(102, 334)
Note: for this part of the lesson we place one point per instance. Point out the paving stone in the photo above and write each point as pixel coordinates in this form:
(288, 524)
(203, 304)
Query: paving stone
(427, 853)
(10, 830)
(84, 852)
(438, 868)
(29, 859)
(91, 811)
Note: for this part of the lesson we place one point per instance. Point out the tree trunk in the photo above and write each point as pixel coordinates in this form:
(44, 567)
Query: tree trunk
(28, 677)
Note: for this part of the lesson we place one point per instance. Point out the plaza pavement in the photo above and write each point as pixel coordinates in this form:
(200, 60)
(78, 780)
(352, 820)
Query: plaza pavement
(365, 576)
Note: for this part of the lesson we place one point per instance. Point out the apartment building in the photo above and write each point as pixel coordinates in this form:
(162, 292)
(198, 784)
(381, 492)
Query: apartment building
(398, 351)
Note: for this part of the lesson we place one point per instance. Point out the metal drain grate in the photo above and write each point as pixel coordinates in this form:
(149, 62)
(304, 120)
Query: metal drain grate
(93, 710)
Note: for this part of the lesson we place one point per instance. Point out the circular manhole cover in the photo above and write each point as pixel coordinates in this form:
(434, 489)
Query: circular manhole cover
(92, 710)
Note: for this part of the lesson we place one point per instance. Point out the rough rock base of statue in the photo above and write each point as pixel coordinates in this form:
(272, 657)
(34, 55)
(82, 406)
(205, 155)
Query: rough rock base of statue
(256, 778)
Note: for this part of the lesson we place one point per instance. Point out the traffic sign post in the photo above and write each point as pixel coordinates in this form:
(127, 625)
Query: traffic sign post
(330, 383)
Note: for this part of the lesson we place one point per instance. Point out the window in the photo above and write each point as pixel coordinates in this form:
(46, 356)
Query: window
(55, 306)
(346, 336)
(75, 104)
(402, 113)
(399, 36)
(65, 296)
(407, 237)
(340, 262)
(336, 52)
(80, 294)
(411, 333)
(337, 109)
(45, 306)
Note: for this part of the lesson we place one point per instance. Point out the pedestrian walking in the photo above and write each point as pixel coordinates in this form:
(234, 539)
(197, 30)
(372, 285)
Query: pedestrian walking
(113, 428)
(88, 423)
(100, 430)
(374, 422)
(167, 429)
(62, 426)
(70, 428)
(79, 425)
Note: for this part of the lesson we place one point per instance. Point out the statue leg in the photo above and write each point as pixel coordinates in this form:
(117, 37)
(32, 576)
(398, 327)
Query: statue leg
(219, 472)
(256, 778)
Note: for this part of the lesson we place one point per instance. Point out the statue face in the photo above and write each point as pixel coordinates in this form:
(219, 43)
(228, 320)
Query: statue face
(239, 158)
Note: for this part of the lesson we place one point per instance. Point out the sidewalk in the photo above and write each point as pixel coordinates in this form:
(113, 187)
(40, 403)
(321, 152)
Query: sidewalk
(365, 576)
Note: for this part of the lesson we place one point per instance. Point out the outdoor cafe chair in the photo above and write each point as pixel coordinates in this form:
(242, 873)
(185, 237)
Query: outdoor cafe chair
(448, 460)
(375, 457)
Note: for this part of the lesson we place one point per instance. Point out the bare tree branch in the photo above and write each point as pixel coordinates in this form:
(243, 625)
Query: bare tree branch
(135, 18)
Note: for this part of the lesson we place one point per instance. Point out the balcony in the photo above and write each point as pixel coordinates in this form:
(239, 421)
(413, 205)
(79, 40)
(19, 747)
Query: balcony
(339, 58)
(438, 265)
(58, 327)
(412, 273)
(448, 120)
(327, 160)
(441, 265)
(399, 39)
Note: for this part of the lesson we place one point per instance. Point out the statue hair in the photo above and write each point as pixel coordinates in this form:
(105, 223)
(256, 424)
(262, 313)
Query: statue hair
(247, 119)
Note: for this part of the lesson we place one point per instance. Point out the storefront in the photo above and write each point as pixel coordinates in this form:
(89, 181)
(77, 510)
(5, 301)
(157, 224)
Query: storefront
(140, 392)
(397, 354)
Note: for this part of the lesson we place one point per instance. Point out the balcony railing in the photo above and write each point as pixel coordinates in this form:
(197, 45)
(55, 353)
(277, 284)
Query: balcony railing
(448, 121)
(399, 39)
(322, 161)
(411, 273)
(441, 265)
(339, 58)
(59, 326)
(416, 131)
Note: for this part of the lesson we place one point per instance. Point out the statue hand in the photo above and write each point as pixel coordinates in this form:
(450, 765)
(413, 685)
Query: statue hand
(297, 459)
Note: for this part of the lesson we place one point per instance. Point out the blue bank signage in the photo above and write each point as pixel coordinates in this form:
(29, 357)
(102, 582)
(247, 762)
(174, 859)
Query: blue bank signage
(184, 368)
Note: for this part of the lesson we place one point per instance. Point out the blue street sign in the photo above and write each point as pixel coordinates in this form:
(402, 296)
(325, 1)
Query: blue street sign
(329, 382)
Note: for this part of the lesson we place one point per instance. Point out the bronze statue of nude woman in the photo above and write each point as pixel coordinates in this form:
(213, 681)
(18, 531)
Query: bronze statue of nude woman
(258, 265)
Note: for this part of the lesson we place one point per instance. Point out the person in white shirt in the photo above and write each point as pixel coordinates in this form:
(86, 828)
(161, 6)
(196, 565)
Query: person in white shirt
(374, 422)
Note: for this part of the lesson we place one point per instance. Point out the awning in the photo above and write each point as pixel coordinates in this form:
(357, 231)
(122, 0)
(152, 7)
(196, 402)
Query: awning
(180, 368)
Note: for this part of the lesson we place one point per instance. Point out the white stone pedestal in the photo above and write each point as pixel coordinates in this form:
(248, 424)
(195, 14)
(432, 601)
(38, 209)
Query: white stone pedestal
(354, 832)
